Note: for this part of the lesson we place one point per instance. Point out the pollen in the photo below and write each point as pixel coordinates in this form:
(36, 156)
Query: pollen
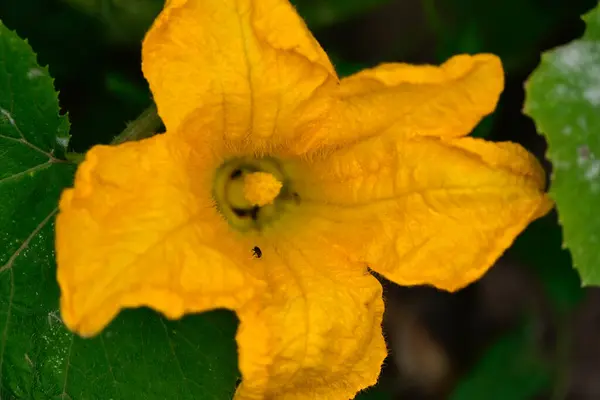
(261, 188)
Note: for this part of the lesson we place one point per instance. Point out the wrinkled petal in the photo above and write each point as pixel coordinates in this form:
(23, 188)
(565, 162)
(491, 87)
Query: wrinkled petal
(139, 229)
(316, 334)
(424, 210)
(408, 100)
(255, 62)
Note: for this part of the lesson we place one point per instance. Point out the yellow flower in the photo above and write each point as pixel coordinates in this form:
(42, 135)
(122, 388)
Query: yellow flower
(276, 187)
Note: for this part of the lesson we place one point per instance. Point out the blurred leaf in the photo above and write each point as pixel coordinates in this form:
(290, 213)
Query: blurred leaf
(345, 68)
(563, 97)
(126, 20)
(510, 369)
(320, 13)
(140, 355)
(510, 28)
(126, 90)
(485, 126)
(539, 247)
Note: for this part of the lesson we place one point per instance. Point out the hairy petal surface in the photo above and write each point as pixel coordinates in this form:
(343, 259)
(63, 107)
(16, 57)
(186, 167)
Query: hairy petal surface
(139, 229)
(409, 100)
(254, 62)
(424, 210)
(316, 333)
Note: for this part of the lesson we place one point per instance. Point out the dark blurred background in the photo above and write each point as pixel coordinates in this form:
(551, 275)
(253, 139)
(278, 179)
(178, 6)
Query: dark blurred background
(526, 330)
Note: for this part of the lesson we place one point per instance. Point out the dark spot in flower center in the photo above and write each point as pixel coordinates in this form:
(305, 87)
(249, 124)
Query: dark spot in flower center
(247, 212)
(257, 252)
(229, 193)
(236, 173)
(254, 213)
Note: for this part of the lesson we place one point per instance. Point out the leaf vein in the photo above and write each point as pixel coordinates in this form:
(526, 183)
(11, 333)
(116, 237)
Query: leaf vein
(32, 146)
(11, 295)
(27, 171)
(170, 341)
(110, 368)
(26, 242)
(64, 393)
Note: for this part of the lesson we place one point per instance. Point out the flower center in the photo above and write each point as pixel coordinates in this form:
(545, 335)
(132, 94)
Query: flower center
(251, 193)
(261, 188)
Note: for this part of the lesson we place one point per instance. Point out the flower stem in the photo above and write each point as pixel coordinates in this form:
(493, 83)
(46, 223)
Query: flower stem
(142, 127)
(74, 158)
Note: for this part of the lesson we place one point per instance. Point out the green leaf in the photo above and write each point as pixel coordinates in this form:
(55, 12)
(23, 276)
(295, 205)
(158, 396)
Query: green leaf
(563, 98)
(140, 355)
(511, 369)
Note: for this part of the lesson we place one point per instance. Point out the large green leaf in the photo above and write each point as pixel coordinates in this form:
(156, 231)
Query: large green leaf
(563, 97)
(140, 355)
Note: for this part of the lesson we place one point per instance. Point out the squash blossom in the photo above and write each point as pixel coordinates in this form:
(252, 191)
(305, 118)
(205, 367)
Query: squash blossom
(277, 188)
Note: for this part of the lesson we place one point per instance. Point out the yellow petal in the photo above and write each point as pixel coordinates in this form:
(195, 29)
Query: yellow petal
(139, 229)
(425, 210)
(409, 100)
(254, 62)
(316, 333)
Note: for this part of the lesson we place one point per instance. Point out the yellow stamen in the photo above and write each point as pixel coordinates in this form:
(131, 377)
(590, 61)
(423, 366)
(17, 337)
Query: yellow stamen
(261, 188)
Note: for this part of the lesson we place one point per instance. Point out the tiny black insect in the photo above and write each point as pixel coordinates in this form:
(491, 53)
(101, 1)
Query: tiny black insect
(257, 252)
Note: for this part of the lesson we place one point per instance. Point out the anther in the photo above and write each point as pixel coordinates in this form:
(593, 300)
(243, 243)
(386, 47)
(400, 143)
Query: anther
(261, 188)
